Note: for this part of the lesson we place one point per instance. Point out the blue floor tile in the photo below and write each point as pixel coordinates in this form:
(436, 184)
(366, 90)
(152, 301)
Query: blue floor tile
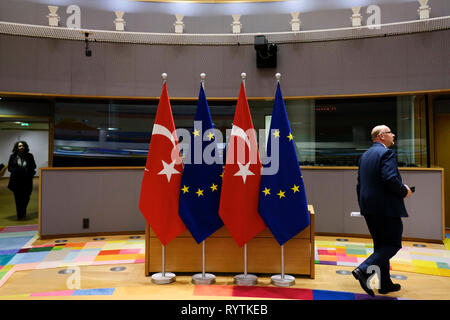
(94, 292)
(332, 295)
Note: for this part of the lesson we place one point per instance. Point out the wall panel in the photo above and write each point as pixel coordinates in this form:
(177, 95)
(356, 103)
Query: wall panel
(109, 197)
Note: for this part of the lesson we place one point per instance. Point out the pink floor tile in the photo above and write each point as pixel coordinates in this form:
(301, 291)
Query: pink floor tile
(53, 293)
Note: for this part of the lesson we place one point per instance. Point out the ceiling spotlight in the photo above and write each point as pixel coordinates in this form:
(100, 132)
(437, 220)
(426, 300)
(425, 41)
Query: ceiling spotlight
(295, 21)
(424, 10)
(356, 17)
(119, 22)
(53, 18)
(179, 25)
(236, 25)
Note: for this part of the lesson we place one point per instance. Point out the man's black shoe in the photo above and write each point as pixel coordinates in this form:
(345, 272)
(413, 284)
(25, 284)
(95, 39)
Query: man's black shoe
(362, 277)
(392, 288)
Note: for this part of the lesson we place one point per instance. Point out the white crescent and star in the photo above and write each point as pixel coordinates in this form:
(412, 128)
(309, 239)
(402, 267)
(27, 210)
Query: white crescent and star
(244, 169)
(168, 168)
(238, 132)
(159, 129)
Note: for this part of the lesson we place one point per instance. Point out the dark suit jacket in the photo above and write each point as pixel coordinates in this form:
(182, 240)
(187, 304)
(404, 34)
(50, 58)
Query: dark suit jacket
(380, 188)
(21, 179)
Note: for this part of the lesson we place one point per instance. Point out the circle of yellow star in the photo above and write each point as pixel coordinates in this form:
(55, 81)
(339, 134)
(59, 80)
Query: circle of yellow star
(199, 192)
(290, 136)
(185, 189)
(266, 191)
(214, 187)
(276, 133)
(211, 136)
(196, 133)
(295, 188)
(281, 194)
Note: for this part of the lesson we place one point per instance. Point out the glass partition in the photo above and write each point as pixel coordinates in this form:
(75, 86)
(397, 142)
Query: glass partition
(327, 132)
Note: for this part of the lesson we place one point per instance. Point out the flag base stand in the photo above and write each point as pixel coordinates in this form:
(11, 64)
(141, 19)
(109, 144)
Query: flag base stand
(245, 280)
(166, 278)
(282, 281)
(200, 278)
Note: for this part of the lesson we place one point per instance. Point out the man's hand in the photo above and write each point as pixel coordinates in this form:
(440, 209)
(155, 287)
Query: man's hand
(409, 191)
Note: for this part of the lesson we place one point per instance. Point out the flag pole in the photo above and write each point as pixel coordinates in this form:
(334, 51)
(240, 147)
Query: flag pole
(282, 280)
(203, 278)
(245, 279)
(163, 277)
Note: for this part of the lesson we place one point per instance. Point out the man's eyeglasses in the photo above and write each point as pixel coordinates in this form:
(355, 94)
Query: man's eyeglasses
(387, 132)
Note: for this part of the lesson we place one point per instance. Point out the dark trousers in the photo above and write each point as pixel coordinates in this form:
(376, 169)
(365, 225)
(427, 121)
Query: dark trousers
(386, 233)
(22, 199)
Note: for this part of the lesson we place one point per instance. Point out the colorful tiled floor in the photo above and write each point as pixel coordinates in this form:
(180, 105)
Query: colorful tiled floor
(263, 292)
(409, 259)
(18, 252)
(16, 255)
(281, 293)
(66, 293)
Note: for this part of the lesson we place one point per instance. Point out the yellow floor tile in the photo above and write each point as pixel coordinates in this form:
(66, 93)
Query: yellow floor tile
(424, 264)
(425, 270)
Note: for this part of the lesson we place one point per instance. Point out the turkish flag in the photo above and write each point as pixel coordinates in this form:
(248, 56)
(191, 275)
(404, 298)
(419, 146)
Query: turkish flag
(241, 178)
(160, 188)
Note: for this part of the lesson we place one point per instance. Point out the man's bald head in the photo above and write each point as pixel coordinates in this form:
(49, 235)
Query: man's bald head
(383, 134)
(377, 130)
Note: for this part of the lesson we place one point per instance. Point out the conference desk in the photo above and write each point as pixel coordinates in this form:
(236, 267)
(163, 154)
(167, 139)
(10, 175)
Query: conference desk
(109, 198)
(332, 191)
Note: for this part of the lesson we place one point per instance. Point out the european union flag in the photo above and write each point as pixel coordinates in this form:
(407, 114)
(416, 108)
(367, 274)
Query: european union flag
(282, 199)
(201, 182)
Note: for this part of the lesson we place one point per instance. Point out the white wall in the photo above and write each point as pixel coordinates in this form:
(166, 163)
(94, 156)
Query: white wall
(37, 141)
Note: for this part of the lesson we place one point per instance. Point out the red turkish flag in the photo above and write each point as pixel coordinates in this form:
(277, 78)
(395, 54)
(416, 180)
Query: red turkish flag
(160, 188)
(241, 178)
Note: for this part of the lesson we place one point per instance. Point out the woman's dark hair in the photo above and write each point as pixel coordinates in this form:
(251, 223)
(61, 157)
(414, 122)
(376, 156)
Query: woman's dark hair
(16, 147)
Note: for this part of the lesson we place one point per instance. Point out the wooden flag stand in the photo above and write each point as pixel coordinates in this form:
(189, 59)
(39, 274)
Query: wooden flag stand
(183, 254)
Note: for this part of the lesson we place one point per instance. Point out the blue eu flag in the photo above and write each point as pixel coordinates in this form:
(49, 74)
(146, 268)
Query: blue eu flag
(282, 198)
(201, 182)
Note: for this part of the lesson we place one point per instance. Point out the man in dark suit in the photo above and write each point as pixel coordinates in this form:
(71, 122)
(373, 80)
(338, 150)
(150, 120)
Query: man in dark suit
(380, 193)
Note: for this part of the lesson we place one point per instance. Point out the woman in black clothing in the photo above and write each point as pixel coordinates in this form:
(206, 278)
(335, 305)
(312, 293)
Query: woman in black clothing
(22, 167)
